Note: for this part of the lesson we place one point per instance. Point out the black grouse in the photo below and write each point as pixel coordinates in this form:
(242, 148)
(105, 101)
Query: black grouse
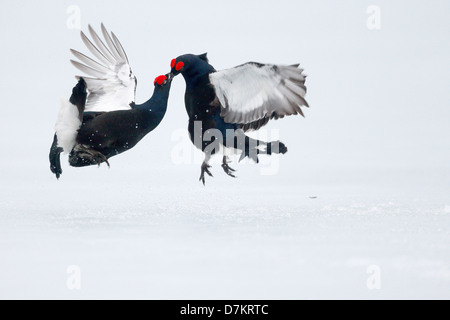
(224, 105)
(101, 119)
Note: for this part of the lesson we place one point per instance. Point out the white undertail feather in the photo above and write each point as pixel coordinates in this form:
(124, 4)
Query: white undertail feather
(67, 125)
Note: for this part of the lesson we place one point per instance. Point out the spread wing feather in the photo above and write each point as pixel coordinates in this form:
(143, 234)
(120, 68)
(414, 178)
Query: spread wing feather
(254, 93)
(111, 83)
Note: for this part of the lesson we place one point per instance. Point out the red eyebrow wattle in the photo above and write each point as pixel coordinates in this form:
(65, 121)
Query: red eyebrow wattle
(172, 64)
(159, 80)
(179, 66)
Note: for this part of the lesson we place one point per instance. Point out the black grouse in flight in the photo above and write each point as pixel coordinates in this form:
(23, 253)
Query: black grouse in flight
(224, 105)
(101, 119)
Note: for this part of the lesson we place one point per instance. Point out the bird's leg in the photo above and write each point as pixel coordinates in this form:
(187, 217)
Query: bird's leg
(228, 170)
(249, 147)
(205, 168)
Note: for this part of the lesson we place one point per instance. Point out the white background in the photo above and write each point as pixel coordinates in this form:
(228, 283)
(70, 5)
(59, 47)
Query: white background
(374, 149)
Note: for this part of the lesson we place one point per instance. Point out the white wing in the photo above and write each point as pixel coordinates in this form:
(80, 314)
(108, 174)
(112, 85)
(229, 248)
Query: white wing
(254, 93)
(112, 84)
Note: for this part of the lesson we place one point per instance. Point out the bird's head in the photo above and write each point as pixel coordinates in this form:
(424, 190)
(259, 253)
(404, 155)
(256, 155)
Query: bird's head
(188, 63)
(163, 82)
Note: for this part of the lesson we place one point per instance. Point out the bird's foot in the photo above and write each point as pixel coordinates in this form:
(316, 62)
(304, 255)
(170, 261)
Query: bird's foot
(100, 158)
(91, 156)
(228, 170)
(205, 169)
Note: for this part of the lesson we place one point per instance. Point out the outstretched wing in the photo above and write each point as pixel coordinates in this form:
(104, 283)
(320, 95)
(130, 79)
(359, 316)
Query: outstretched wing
(254, 93)
(112, 84)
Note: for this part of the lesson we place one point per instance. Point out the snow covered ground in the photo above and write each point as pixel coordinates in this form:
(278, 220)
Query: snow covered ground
(361, 201)
(151, 238)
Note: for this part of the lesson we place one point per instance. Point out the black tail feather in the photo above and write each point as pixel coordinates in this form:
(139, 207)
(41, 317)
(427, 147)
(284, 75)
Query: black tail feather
(276, 147)
(253, 147)
(55, 159)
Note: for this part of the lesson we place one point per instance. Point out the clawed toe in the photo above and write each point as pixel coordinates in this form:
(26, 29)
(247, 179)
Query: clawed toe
(205, 169)
(228, 170)
(101, 158)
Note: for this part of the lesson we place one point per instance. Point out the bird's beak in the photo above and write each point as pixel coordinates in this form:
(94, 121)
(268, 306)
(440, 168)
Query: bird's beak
(170, 76)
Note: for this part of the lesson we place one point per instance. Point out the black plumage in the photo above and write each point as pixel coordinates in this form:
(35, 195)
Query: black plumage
(235, 101)
(103, 135)
(101, 119)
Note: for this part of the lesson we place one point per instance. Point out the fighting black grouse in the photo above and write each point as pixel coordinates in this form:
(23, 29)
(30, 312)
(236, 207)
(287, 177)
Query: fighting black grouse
(101, 119)
(223, 105)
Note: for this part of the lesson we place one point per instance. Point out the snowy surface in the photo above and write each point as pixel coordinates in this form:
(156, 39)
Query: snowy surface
(151, 238)
(366, 181)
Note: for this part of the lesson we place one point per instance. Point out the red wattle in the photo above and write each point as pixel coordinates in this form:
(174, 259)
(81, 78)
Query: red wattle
(172, 64)
(179, 66)
(160, 80)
